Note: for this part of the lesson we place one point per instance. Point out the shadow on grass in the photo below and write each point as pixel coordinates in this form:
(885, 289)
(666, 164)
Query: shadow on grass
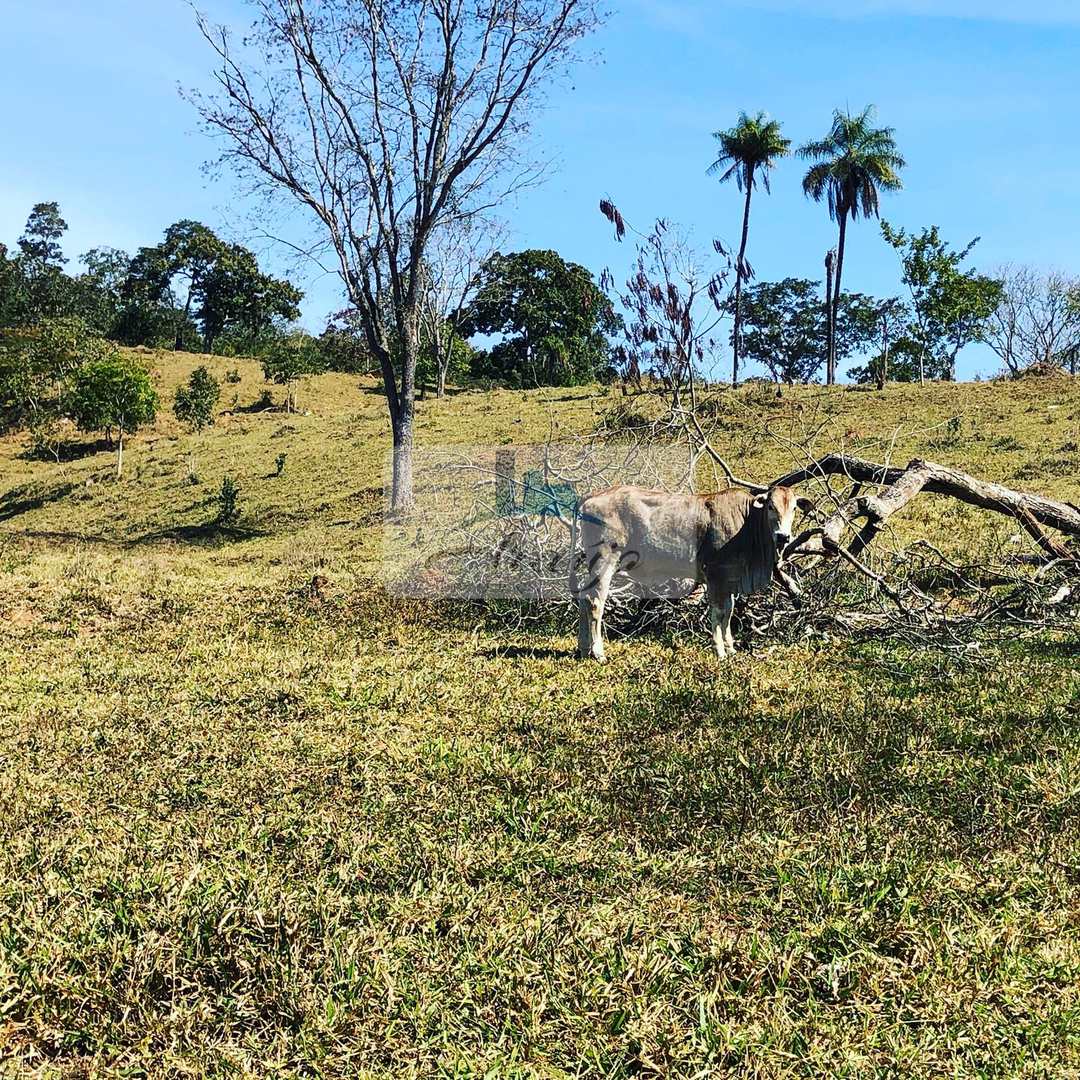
(952, 767)
(1054, 650)
(29, 497)
(207, 534)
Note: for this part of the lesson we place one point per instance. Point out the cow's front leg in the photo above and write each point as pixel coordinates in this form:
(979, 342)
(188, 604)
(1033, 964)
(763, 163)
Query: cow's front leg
(721, 605)
(727, 609)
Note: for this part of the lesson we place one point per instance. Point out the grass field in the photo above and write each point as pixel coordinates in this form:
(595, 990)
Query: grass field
(249, 829)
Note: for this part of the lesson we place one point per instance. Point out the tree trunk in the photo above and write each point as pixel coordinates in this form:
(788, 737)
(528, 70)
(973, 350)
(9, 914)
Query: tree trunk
(401, 494)
(740, 270)
(836, 295)
(445, 356)
(830, 270)
(181, 323)
(120, 455)
(883, 371)
(401, 424)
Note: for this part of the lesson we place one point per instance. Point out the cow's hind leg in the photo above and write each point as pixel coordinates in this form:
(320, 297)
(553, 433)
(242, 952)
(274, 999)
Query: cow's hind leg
(594, 602)
(583, 638)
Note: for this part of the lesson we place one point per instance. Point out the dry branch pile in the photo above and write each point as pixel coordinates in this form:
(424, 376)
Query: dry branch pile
(852, 572)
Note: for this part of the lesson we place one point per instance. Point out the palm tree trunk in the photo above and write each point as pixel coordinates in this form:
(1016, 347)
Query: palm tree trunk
(736, 335)
(883, 371)
(831, 377)
(830, 270)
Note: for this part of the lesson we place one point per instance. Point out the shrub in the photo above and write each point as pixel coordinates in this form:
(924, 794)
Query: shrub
(228, 498)
(36, 364)
(289, 360)
(111, 394)
(194, 403)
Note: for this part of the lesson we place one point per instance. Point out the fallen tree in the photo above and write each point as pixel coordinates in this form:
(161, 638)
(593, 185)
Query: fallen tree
(1032, 512)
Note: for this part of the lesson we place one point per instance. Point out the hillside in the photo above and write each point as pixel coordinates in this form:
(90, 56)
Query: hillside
(253, 828)
(1025, 434)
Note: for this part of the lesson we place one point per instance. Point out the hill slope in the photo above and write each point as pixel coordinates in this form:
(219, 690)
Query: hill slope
(1025, 434)
(253, 829)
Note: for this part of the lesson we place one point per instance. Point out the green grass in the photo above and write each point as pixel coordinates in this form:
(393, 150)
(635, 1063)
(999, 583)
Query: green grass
(249, 831)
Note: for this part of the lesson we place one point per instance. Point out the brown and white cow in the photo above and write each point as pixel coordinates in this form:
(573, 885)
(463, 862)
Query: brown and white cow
(731, 541)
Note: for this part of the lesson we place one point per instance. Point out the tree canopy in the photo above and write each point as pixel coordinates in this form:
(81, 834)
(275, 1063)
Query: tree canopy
(748, 150)
(784, 327)
(852, 164)
(553, 319)
(223, 289)
(950, 306)
(112, 394)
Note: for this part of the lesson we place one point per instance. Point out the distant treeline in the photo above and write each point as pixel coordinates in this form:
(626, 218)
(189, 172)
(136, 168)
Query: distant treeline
(551, 323)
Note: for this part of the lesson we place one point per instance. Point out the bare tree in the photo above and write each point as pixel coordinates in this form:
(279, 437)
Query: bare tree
(451, 274)
(386, 120)
(1037, 321)
(673, 304)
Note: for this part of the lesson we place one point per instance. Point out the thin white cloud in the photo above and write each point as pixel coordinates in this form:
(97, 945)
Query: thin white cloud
(1055, 12)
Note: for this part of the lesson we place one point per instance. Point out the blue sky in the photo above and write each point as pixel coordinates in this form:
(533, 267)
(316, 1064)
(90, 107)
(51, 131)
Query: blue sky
(984, 96)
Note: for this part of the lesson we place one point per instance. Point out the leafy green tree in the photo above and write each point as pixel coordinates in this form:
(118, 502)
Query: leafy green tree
(748, 150)
(343, 347)
(553, 318)
(36, 362)
(40, 241)
(899, 364)
(443, 354)
(198, 278)
(239, 300)
(893, 350)
(950, 307)
(853, 163)
(784, 325)
(194, 403)
(292, 358)
(110, 394)
(13, 298)
(98, 290)
(42, 261)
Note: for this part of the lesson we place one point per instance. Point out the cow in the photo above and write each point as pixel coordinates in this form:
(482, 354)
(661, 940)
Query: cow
(731, 541)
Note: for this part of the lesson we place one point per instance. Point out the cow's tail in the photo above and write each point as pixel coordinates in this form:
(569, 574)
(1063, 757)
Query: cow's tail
(572, 576)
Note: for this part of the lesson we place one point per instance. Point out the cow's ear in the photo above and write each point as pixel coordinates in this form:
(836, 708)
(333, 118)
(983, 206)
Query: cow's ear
(761, 500)
(807, 506)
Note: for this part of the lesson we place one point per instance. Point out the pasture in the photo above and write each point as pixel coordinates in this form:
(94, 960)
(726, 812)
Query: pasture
(259, 819)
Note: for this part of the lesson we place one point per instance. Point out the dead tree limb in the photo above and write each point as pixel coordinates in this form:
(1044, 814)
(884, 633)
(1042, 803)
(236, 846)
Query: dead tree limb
(901, 485)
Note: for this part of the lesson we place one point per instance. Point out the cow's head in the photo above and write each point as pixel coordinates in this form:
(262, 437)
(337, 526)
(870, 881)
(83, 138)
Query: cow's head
(779, 505)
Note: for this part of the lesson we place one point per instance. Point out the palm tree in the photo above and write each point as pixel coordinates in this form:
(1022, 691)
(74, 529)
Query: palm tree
(748, 149)
(853, 163)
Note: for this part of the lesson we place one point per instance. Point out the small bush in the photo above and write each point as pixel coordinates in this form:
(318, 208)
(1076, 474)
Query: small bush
(232, 376)
(279, 464)
(228, 498)
(194, 403)
(292, 358)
